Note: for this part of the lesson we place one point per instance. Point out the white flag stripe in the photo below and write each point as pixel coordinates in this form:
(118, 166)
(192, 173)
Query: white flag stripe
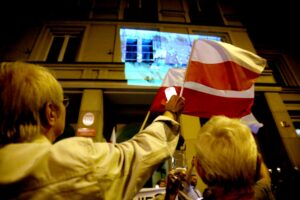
(222, 93)
(174, 77)
(219, 52)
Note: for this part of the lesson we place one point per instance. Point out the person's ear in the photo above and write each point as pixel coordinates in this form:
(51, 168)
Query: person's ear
(50, 114)
(258, 166)
(199, 169)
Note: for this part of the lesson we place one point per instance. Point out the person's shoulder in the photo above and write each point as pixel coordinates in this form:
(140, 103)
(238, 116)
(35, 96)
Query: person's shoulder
(74, 145)
(75, 139)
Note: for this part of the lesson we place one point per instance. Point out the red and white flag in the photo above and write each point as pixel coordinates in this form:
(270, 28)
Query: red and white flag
(219, 80)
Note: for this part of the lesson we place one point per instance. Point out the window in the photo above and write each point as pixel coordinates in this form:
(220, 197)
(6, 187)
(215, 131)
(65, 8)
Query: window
(295, 116)
(55, 49)
(72, 49)
(141, 10)
(205, 12)
(105, 9)
(65, 44)
(147, 50)
(281, 71)
(291, 100)
(294, 113)
(139, 53)
(131, 50)
(64, 48)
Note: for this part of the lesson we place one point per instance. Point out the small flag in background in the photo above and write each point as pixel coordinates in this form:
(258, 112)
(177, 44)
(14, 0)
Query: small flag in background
(219, 80)
(113, 138)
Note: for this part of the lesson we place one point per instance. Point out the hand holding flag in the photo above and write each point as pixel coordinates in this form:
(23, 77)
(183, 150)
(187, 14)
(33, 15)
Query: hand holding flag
(175, 105)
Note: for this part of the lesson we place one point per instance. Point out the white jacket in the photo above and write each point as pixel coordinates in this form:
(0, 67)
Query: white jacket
(78, 168)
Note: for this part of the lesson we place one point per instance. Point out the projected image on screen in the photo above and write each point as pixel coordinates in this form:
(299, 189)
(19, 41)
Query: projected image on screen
(148, 55)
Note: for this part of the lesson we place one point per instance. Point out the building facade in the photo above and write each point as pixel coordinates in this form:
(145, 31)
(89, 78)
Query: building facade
(81, 42)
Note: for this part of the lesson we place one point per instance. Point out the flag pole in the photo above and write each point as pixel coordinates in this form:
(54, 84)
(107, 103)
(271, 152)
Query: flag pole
(183, 147)
(145, 120)
(187, 67)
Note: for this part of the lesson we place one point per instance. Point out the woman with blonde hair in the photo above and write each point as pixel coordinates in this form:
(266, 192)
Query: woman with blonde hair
(228, 161)
(32, 116)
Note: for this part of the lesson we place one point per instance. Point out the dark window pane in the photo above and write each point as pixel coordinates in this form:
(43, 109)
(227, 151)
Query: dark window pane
(297, 125)
(147, 50)
(131, 42)
(147, 57)
(55, 49)
(294, 112)
(131, 50)
(131, 57)
(72, 49)
(141, 10)
(276, 72)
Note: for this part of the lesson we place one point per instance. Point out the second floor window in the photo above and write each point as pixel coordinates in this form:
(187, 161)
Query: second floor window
(139, 50)
(131, 50)
(283, 74)
(64, 48)
(147, 50)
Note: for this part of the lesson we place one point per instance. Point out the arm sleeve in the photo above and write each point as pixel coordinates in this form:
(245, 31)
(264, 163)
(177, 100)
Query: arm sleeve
(127, 166)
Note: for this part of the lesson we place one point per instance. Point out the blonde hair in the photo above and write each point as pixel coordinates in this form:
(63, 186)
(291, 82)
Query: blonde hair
(227, 152)
(24, 91)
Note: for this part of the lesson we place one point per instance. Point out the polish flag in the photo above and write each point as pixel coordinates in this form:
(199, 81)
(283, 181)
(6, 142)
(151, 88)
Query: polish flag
(219, 80)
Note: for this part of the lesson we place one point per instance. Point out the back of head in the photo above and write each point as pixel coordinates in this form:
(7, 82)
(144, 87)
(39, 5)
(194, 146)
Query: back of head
(24, 90)
(227, 152)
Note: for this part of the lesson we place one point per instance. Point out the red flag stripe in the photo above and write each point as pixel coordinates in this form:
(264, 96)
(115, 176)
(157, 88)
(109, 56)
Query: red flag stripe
(175, 78)
(159, 102)
(224, 76)
(205, 105)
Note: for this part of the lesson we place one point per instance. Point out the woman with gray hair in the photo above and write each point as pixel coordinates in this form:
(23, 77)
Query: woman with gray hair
(32, 116)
